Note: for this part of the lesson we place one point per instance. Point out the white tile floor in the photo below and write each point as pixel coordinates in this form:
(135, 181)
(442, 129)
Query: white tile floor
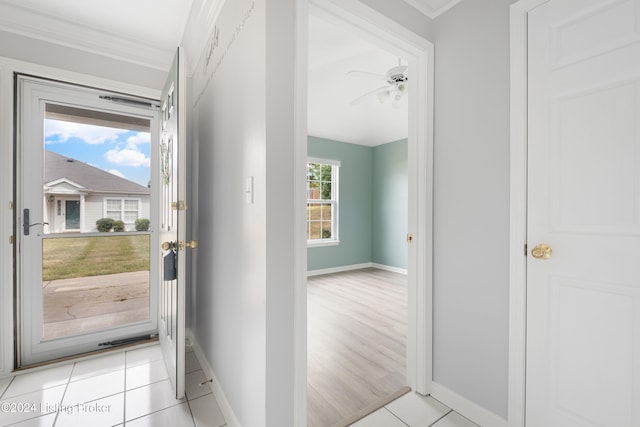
(414, 410)
(121, 389)
(132, 389)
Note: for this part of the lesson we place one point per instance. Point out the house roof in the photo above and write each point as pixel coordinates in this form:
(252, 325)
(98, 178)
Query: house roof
(60, 168)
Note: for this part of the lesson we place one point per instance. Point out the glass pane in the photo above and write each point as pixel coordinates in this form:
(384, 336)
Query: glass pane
(114, 205)
(326, 230)
(88, 154)
(114, 214)
(326, 191)
(326, 212)
(130, 205)
(314, 230)
(92, 283)
(130, 216)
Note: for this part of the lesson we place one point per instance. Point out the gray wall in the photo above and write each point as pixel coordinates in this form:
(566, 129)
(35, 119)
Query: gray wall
(53, 55)
(404, 14)
(471, 218)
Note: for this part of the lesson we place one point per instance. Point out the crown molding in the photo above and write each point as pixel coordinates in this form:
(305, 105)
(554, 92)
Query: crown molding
(426, 6)
(30, 23)
(199, 30)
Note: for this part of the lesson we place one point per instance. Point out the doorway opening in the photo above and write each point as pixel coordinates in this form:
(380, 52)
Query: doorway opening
(86, 211)
(357, 256)
(417, 55)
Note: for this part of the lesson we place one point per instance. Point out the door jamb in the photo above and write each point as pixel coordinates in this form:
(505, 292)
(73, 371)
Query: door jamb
(518, 212)
(419, 343)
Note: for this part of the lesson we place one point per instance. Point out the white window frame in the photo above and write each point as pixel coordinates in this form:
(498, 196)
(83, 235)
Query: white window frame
(122, 210)
(334, 201)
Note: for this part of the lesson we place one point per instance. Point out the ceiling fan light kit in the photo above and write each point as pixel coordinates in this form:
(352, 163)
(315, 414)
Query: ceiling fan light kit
(397, 80)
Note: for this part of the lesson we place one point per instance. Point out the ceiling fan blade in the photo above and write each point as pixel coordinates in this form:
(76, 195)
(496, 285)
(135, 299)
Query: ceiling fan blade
(360, 99)
(367, 75)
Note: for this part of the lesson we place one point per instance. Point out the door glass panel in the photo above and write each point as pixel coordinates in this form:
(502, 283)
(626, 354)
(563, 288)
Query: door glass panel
(95, 254)
(72, 214)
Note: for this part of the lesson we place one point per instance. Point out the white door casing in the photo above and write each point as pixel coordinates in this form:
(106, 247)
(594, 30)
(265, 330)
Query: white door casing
(583, 303)
(171, 322)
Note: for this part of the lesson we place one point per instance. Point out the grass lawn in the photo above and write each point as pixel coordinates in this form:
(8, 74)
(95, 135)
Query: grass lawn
(66, 258)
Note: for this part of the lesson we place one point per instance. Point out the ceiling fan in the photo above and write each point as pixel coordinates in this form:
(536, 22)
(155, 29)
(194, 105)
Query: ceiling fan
(394, 90)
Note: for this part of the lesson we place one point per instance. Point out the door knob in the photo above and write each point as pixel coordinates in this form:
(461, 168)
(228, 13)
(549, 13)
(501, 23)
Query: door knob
(190, 244)
(542, 251)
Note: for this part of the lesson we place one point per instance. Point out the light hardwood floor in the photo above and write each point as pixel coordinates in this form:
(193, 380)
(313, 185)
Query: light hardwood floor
(357, 325)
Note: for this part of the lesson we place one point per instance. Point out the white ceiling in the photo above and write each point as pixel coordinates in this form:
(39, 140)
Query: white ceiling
(333, 52)
(146, 32)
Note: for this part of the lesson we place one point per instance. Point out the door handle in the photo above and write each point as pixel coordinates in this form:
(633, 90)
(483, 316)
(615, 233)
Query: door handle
(542, 251)
(26, 225)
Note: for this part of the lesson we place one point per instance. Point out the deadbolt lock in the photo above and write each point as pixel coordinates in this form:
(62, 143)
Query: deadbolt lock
(542, 251)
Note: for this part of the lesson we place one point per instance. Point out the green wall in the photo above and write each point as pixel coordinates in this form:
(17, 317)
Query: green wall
(390, 204)
(372, 224)
(354, 204)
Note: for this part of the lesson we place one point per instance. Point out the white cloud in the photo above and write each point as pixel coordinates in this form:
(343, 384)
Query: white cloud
(139, 138)
(117, 173)
(127, 157)
(88, 133)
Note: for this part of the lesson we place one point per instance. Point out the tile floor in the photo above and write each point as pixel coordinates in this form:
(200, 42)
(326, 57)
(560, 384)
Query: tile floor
(132, 389)
(414, 410)
(121, 389)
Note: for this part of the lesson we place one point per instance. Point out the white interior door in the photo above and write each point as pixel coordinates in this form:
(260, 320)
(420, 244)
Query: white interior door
(583, 303)
(171, 324)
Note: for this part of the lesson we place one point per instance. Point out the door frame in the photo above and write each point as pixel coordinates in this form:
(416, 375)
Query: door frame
(518, 211)
(8, 68)
(420, 52)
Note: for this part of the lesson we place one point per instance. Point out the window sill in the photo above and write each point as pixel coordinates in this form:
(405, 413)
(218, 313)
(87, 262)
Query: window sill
(318, 244)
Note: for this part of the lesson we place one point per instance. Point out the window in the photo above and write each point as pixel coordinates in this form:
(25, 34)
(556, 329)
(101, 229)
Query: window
(322, 201)
(127, 210)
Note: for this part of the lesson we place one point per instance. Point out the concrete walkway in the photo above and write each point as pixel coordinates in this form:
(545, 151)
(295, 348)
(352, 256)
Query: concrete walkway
(73, 306)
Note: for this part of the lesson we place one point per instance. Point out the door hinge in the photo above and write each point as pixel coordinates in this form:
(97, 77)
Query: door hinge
(409, 238)
(10, 204)
(526, 249)
(11, 240)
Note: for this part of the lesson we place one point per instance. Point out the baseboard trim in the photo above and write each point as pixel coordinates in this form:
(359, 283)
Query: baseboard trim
(339, 269)
(352, 267)
(465, 407)
(218, 392)
(390, 268)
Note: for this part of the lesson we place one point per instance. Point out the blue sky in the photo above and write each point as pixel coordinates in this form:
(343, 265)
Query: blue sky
(122, 152)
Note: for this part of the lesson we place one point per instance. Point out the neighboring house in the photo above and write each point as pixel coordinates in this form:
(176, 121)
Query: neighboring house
(77, 194)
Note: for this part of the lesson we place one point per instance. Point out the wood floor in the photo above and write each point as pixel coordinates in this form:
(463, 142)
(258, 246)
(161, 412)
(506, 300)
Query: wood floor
(357, 327)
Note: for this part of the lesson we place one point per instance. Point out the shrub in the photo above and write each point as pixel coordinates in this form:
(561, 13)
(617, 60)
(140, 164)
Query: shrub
(104, 224)
(118, 225)
(142, 224)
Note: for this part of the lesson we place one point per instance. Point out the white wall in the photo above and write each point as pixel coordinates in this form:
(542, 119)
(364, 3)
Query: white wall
(471, 218)
(243, 127)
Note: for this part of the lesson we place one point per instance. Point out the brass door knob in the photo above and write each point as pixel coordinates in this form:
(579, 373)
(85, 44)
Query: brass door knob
(542, 251)
(166, 246)
(190, 244)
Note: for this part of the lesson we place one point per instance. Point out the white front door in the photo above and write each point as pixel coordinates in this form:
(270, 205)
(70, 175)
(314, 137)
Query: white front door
(583, 297)
(171, 326)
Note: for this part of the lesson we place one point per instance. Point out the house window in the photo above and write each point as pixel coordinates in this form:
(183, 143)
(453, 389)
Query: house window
(127, 210)
(322, 201)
